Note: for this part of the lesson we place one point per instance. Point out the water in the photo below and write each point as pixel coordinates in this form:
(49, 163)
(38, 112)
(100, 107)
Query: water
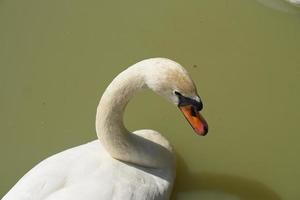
(57, 57)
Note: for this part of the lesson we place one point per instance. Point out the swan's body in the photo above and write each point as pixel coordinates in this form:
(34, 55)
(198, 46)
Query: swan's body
(120, 165)
(88, 172)
(287, 6)
(295, 2)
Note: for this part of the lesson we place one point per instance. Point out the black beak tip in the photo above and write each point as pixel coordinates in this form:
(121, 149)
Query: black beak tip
(205, 130)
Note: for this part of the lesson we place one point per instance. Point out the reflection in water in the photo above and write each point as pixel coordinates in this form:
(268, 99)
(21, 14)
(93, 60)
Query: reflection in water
(207, 186)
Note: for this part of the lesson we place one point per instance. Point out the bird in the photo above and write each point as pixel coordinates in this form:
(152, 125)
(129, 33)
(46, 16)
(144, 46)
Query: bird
(119, 165)
(294, 2)
(287, 6)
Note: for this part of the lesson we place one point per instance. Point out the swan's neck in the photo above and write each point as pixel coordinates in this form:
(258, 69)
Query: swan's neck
(109, 119)
(118, 141)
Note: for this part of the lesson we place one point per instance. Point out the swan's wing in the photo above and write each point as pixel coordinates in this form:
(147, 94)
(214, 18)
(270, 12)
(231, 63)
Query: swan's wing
(52, 174)
(40, 181)
(88, 172)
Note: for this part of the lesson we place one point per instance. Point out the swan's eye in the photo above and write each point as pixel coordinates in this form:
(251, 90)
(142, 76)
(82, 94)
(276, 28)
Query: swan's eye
(184, 101)
(177, 93)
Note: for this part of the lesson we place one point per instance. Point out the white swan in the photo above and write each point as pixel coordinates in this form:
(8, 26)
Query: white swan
(287, 6)
(294, 2)
(120, 165)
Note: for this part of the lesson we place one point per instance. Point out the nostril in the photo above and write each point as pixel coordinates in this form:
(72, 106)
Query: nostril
(193, 112)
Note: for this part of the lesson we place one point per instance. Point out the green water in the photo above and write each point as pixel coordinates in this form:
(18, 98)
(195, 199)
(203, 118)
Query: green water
(57, 57)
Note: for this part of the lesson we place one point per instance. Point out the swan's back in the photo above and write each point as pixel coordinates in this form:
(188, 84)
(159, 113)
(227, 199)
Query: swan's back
(89, 172)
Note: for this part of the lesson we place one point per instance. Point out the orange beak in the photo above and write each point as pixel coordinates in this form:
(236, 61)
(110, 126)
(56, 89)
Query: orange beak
(197, 122)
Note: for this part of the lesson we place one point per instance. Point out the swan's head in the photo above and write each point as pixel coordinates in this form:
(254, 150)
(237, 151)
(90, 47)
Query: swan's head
(170, 80)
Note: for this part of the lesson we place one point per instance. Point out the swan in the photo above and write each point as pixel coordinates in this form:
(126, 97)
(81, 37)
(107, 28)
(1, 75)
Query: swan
(294, 2)
(120, 165)
(287, 6)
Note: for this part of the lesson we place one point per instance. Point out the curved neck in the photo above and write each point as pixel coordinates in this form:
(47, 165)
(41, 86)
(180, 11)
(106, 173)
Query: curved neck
(110, 128)
(117, 140)
(109, 118)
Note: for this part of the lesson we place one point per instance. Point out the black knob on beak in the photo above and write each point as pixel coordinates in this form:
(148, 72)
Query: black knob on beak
(198, 105)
